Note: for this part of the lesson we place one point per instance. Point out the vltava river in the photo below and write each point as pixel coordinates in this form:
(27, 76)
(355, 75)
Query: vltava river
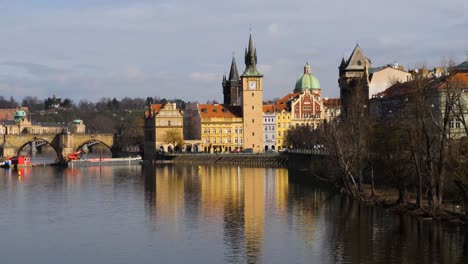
(191, 214)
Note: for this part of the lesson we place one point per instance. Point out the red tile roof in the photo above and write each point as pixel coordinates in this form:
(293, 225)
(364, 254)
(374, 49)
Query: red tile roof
(332, 102)
(280, 107)
(287, 97)
(219, 111)
(268, 108)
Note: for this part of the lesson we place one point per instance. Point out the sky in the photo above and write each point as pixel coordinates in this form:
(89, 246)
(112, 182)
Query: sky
(90, 49)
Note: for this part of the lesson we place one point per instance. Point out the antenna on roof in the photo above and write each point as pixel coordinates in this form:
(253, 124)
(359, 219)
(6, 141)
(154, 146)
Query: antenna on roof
(250, 28)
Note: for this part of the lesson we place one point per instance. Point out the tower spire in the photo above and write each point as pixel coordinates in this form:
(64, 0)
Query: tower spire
(251, 60)
(233, 73)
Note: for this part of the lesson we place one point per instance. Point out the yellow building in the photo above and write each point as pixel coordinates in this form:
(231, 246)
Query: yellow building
(283, 123)
(163, 128)
(221, 128)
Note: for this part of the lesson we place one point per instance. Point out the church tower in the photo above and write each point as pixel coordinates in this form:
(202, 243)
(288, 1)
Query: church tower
(232, 86)
(353, 81)
(252, 101)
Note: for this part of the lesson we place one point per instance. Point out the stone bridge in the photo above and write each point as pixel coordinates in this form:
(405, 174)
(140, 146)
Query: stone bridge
(62, 143)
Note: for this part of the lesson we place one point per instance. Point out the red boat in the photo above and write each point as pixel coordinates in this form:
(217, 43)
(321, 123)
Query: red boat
(20, 160)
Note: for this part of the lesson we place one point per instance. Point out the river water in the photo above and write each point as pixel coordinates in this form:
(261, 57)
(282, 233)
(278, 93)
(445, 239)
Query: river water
(203, 214)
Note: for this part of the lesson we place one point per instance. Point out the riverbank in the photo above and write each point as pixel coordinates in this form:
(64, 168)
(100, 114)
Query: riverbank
(383, 197)
(388, 198)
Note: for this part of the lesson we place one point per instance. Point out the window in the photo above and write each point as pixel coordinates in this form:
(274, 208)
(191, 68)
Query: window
(169, 123)
(235, 140)
(220, 130)
(253, 120)
(240, 130)
(253, 107)
(235, 130)
(240, 140)
(253, 134)
(455, 122)
(252, 94)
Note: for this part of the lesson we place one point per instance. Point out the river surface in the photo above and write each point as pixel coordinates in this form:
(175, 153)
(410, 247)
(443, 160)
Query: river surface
(192, 214)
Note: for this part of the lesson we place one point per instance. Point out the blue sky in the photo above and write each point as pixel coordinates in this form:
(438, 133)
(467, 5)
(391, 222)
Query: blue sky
(89, 49)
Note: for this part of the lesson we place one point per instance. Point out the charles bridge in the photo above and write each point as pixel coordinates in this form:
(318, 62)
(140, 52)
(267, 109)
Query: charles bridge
(63, 143)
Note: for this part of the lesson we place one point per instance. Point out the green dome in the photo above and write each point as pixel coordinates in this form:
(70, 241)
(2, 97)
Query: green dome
(306, 81)
(18, 115)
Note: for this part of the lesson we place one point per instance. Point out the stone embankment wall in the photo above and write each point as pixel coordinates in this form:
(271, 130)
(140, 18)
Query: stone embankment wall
(257, 160)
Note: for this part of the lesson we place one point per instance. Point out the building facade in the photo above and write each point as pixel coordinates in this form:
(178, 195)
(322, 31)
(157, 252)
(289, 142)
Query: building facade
(163, 128)
(221, 128)
(20, 124)
(269, 127)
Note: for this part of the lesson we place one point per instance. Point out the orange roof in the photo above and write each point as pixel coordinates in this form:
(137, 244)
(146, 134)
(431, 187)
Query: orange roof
(155, 108)
(332, 102)
(219, 111)
(287, 97)
(460, 80)
(268, 108)
(280, 107)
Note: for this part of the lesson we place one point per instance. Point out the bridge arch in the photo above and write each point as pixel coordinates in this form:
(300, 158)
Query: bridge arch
(79, 140)
(28, 141)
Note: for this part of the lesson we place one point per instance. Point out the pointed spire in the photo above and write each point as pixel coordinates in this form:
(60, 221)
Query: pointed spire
(233, 73)
(343, 63)
(251, 60)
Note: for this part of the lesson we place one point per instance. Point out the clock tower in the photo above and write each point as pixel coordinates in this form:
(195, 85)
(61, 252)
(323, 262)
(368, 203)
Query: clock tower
(252, 101)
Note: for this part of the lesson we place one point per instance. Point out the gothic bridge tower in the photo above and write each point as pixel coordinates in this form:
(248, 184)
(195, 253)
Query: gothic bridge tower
(353, 81)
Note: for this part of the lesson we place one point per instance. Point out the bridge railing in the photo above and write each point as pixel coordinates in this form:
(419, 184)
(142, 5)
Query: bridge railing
(320, 151)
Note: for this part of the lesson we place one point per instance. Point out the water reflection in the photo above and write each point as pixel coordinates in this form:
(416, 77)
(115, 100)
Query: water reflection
(206, 214)
(263, 214)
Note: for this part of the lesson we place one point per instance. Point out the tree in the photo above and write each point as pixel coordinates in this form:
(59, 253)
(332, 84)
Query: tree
(33, 103)
(173, 137)
(346, 139)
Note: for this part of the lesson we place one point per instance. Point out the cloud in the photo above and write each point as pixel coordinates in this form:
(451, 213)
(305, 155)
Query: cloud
(164, 48)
